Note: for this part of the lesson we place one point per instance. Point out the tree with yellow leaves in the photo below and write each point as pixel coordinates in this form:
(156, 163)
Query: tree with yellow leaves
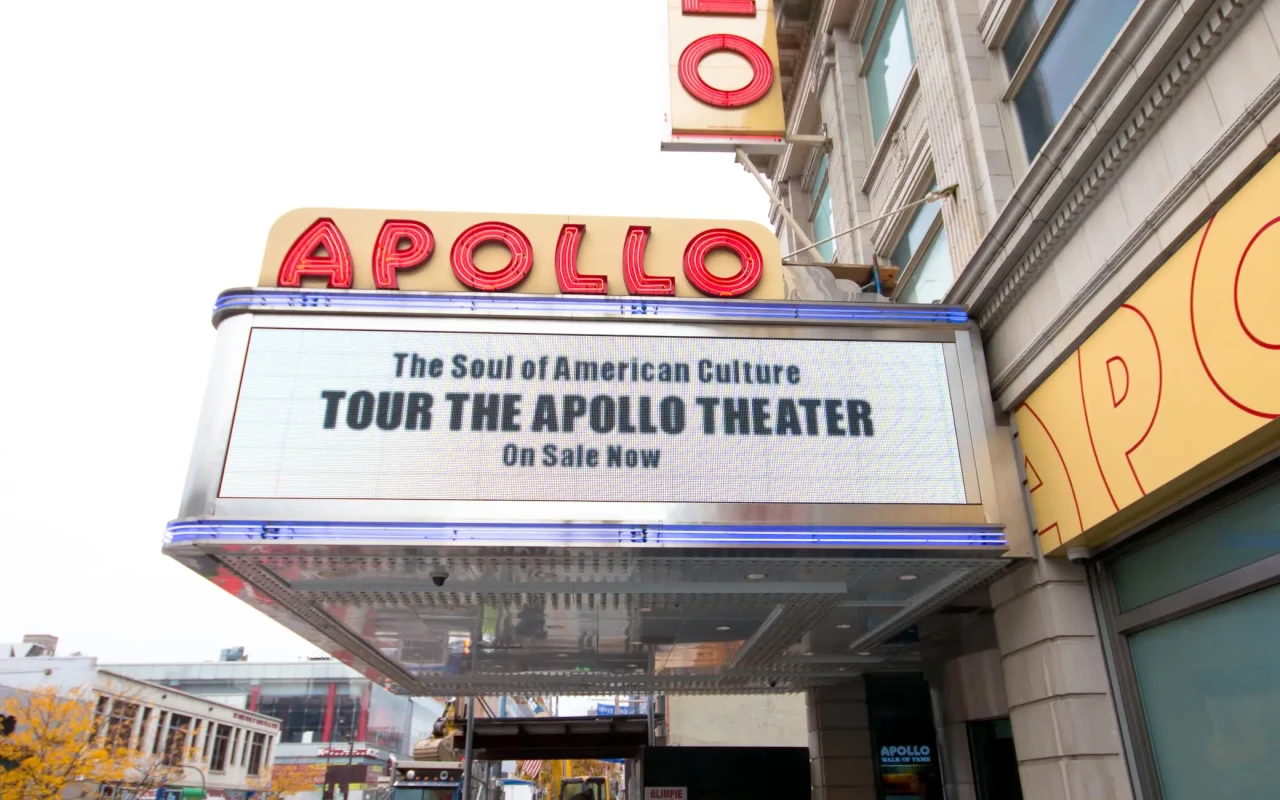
(287, 780)
(54, 745)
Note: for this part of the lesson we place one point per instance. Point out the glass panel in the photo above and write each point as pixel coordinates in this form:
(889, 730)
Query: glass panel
(824, 226)
(1082, 37)
(890, 65)
(1212, 700)
(932, 276)
(916, 232)
(994, 760)
(821, 176)
(1024, 30)
(1228, 539)
(871, 26)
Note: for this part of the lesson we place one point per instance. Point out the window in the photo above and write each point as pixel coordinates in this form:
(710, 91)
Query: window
(923, 257)
(142, 729)
(255, 753)
(1191, 614)
(994, 761)
(823, 219)
(175, 744)
(208, 741)
(120, 724)
(299, 714)
(235, 747)
(888, 57)
(221, 738)
(1053, 77)
(160, 733)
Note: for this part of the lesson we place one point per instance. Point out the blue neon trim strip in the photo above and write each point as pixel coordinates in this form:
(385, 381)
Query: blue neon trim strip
(243, 531)
(630, 307)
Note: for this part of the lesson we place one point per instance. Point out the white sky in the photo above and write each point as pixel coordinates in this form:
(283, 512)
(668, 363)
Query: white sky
(146, 148)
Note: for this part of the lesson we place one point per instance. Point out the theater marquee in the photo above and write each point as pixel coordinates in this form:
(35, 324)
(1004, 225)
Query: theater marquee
(586, 426)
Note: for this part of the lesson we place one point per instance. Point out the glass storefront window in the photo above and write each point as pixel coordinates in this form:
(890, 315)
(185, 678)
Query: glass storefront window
(1211, 697)
(889, 61)
(1213, 545)
(1078, 43)
(1193, 612)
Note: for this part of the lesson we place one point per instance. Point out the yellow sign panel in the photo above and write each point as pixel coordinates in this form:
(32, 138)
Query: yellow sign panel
(724, 80)
(525, 253)
(1187, 367)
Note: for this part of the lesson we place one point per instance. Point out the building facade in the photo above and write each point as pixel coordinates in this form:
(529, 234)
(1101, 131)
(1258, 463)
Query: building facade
(329, 713)
(202, 743)
(1100, 193)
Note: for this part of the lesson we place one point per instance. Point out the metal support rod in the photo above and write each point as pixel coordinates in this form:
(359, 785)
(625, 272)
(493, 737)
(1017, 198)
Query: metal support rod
(937, 194)
(468, 751)
(815, 139)
(653, 733)
(782, 208)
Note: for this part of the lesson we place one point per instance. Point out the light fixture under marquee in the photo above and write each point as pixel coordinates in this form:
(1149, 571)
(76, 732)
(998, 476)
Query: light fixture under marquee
(585, 535)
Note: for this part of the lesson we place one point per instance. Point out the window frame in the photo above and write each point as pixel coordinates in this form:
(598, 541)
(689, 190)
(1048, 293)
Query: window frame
(927, 177)
(1116, 626)
(909, 271)
(819, 182)
(225, 739)
(1034, 50)
(869, 48)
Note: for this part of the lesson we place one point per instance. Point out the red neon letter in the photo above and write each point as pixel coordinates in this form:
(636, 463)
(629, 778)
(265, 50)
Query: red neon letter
(728, 8)
(389, 258)
(756, 88)
(302, 258)
(462, 256)
(695, 263)
(567, 275)
(633, 265)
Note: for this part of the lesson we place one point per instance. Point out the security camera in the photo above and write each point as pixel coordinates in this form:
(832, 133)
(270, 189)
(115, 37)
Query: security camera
(439, 575)
(773, 683)
(1077, 554)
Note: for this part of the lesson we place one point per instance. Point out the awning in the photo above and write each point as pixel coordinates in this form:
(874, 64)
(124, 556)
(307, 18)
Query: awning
(553, 738)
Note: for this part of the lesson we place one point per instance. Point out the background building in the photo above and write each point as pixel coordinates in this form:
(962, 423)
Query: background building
(1102, 168)
(222, 747)
(328, 712)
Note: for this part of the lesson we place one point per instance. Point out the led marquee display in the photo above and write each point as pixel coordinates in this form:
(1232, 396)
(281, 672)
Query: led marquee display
(421, 415)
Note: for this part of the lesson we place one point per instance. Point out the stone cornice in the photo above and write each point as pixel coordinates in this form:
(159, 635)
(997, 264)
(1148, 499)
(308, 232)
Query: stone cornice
(1055, 228)
(1167, 206)
(1137, 82)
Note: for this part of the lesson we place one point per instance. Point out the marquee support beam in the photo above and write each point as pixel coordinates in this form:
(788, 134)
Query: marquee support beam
(803, 237)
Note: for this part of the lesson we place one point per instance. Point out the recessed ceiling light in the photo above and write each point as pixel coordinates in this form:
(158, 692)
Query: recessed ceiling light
(756, 576)
(844, 626)
(722, 627)
(644, 609)
(907, 577)
(562, 655)
(808, 652)
(864, 652)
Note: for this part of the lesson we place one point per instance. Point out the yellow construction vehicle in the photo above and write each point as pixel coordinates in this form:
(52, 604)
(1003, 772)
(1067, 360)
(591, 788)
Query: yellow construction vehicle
(561, 780)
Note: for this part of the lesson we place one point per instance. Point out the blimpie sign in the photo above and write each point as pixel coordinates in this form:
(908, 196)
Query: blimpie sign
(451, 415)
(526, 253)
(723, 71)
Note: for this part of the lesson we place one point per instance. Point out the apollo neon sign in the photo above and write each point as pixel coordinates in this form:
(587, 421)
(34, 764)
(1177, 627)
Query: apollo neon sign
(330, 249)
